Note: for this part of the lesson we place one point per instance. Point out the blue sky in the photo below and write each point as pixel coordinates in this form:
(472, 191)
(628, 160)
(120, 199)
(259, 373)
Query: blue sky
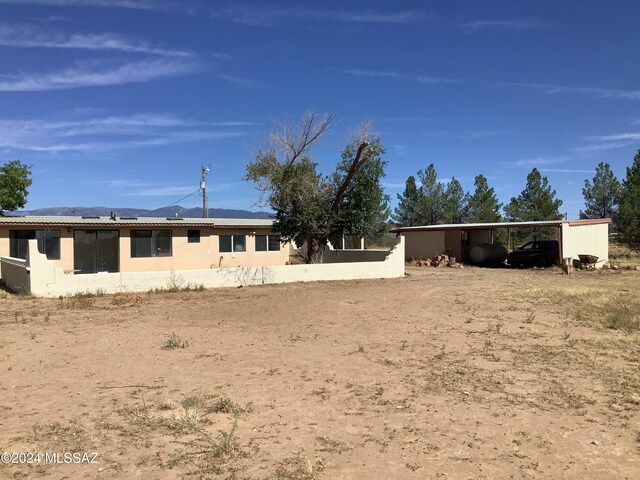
(118, 102)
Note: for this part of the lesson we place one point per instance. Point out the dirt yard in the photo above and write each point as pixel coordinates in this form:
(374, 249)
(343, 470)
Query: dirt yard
(443, 374)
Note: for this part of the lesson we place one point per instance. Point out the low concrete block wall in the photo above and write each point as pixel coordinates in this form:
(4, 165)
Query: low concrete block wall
(15, 274)
(47, 280)
(349, 256)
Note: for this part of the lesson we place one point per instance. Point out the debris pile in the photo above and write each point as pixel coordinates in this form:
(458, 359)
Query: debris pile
(437, 261)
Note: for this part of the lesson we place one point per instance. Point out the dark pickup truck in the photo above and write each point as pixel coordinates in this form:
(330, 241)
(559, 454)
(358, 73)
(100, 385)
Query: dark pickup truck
(540, 253)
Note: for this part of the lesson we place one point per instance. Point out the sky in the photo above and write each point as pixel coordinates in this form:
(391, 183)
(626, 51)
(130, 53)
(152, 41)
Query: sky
(117, 103)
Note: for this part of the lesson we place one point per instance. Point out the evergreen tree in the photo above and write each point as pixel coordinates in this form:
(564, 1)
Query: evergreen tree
(628, 217)
(407, 213)
(536, 202)
(455, 203)
(432, 197)
(601, 197)
(483, 204)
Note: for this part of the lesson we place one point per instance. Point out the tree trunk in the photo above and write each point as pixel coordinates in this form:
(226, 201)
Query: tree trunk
(314, 251)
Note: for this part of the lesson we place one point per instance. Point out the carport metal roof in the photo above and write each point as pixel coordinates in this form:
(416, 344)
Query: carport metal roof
(491, 226)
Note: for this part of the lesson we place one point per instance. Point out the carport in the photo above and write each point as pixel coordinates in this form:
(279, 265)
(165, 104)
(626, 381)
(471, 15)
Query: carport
(576, 237)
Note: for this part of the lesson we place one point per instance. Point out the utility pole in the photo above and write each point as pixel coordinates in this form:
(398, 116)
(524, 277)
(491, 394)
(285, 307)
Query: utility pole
(203, 187)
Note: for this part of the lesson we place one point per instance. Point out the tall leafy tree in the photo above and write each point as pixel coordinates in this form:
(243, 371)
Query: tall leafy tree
(628, 216)
(15, 179)
(601, 196)
(310, 208)
(484, 206)
(365, 207)
(407, 213)
(455, 203)
(432, 197)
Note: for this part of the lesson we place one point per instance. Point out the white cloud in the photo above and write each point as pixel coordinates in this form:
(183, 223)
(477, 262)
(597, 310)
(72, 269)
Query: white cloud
(466, 134)
(102, 134)
(616, 137)
(271, 15)
(242, 82)
(14, 35)
(564, 170)
(171, 190)
(97, 74)
(532, 162)
(521, 24)
(401, 76)
(586, 91)
(599, 147)
(132, 4)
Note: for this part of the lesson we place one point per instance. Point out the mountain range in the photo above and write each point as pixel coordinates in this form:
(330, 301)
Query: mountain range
(173, 211)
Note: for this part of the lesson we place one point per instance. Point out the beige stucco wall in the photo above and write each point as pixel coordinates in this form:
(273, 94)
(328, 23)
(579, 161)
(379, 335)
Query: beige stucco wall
(586, 240)
(47, 280)
(423, 244)
(184, 256)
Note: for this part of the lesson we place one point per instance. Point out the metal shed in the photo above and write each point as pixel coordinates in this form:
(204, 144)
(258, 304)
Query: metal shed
(576, 237)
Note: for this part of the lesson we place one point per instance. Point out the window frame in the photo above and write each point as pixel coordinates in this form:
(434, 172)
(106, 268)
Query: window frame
(268, 238)
(232, 237)
(193, 236)
(40, 235)
(153, 238)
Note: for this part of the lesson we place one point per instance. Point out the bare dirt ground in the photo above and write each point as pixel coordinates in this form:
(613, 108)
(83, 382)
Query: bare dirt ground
(443, 374)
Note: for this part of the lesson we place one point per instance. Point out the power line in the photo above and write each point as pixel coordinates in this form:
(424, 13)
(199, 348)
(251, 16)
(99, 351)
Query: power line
(177, 201)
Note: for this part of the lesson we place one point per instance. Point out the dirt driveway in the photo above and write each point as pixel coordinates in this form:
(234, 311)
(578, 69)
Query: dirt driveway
(443, 374)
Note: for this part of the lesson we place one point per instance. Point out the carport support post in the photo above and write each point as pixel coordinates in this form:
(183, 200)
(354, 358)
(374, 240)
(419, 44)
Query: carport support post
(508, 239)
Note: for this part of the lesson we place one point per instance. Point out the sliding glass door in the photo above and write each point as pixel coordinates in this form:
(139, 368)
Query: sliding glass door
(96, 251)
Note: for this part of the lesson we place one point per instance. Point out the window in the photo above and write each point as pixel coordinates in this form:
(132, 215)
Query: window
(193, 236)
(233, 243)
(267, 243)
(48, 243)
(150, 243)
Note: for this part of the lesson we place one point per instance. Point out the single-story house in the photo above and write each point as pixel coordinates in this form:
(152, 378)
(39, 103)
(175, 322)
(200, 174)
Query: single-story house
(576, 237)
(81, 245)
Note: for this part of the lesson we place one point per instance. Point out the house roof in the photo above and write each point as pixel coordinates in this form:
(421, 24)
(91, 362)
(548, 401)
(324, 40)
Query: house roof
(136, 221)
(489, 226)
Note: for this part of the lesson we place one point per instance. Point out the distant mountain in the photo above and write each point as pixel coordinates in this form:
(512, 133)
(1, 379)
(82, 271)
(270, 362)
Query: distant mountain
(141, 212)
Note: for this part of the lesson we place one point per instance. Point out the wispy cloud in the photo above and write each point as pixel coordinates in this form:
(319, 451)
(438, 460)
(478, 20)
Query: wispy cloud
(466, 134)
(14, 35)
(600, 147)
(242, 82)
(132, 4)
(514, 24)
(405, 119)
(394, 185)
(103, 134)
(160, 190)
(534, 162)
(271, 15)
(601, 143)
(97, 74)
(616, 137)
(585, 91)
(565, 170)
(401, 76)
(169, 190)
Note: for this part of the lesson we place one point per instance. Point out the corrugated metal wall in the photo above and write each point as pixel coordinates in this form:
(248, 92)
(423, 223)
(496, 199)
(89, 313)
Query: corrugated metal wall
(587, 240)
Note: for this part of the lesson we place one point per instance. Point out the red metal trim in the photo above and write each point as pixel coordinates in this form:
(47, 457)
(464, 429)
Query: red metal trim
(589, 221)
